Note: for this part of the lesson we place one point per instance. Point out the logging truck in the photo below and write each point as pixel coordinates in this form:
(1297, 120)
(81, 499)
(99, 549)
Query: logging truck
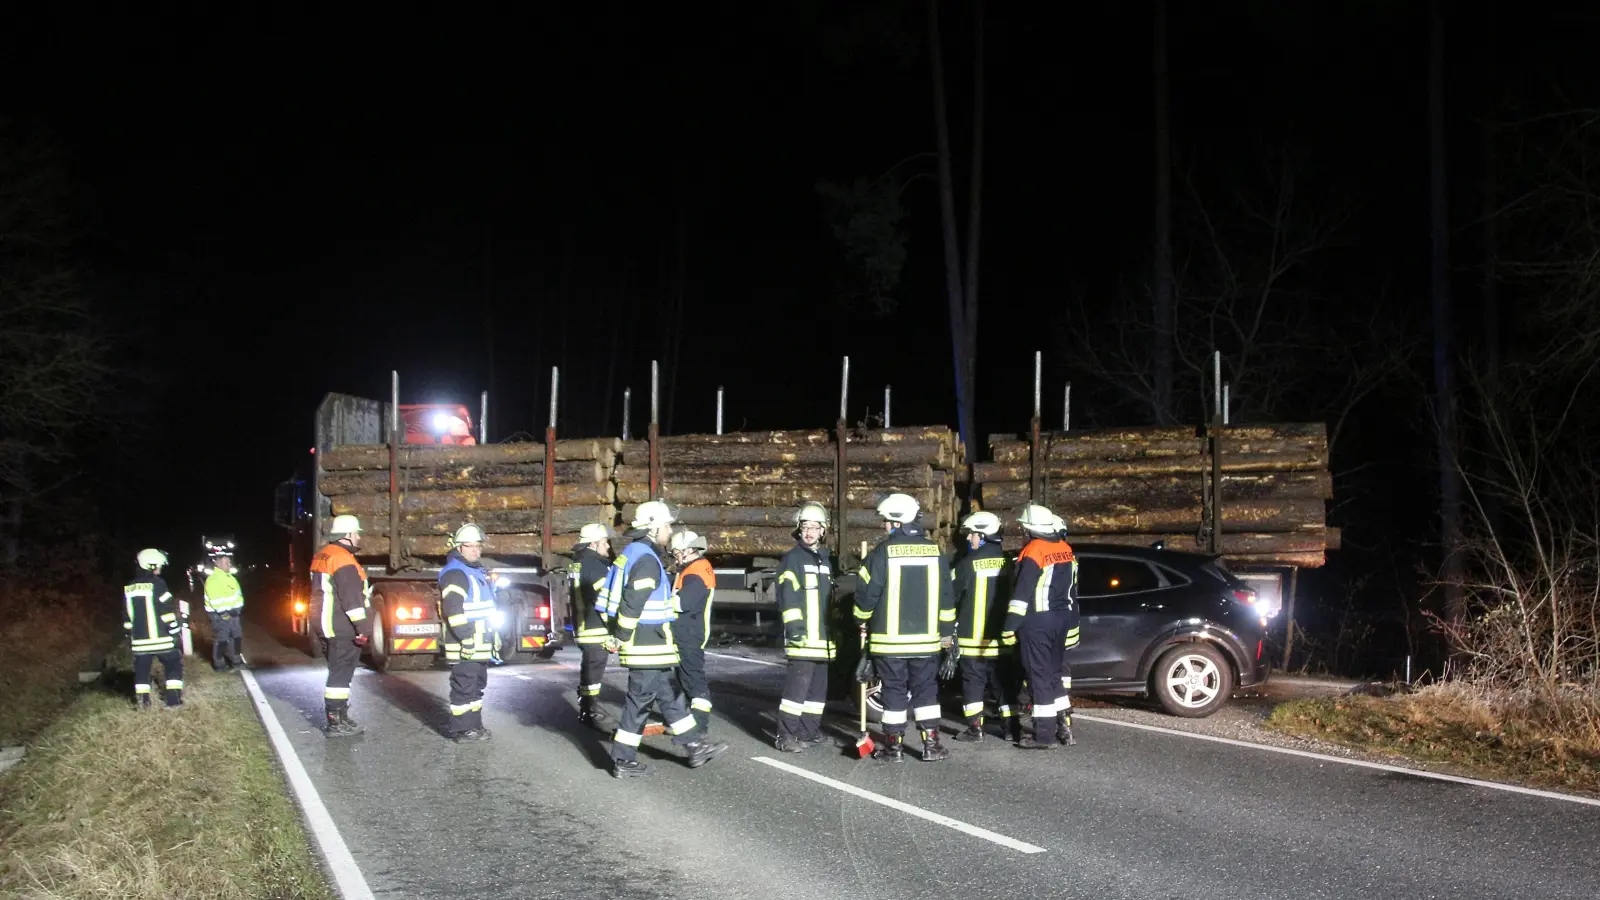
(412, 488)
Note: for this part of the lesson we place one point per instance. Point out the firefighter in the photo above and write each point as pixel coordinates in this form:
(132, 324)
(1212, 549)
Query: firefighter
(592, 560)
(150, 617)
(224, 606)
(639, 603)
(805, 588)
(906, 596)
(982, 585)
(1042, 612)
(471, 642)
(341, 598)
(693, 590)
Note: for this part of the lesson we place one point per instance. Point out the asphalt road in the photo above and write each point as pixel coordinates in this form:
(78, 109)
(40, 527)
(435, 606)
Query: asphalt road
(1125, 814)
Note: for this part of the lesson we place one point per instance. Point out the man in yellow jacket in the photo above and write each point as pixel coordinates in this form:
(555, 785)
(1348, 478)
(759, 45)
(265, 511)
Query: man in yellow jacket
(224, 604)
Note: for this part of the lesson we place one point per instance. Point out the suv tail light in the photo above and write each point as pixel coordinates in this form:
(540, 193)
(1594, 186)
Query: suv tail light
(1245, 596)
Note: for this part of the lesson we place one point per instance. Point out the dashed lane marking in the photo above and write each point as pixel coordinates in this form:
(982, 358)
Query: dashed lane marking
(908, 809)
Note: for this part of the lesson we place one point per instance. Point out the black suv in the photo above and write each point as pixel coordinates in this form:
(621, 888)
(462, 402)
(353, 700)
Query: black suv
(1177, 626)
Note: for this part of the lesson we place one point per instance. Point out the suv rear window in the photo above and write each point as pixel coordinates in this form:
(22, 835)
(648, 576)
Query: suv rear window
(1102, 575)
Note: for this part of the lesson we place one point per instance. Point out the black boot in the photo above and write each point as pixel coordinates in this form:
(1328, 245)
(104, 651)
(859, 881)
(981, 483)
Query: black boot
(932, 749)
(629, 768)
(892, 749)
(787, 744)
(974, 732)
(701, 752)
(1064, 730)
(340, 724)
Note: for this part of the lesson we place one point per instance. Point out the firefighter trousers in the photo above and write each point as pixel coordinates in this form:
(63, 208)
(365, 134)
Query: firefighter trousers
(692, 681)
(171, 668)
(649, 688)
(805, 694)
(591, 673)
(986, 676)
(468, 678)
(912, 681)
(227, 633)
(343, 655)
(1040, 650)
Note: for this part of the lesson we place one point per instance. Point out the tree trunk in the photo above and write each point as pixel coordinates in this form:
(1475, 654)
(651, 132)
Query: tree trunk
(435, 456)
(779, 495)
(1016, 453)
(1269, 515)
(1162, 294)
(637, 453)
(583, 471)
(780, 473)
(1250, 544)
(1444, 403)
(497, 546)
(501, 521)
(991, 473)
(757, 516)
(475, 500)
(1160, 492)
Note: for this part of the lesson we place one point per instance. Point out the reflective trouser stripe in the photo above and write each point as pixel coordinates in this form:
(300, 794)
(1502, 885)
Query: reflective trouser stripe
(141, 689)
(699, 704)
(793, 707)
(972, 709)
(460, 709)
(1041, 710)
(683, 725)
(1005, 712)
(894, 717)
(174, 685)
(1066, 682)
(589, 690)
(336, 693)
(814, 708)
(927, 713)
(628, 738)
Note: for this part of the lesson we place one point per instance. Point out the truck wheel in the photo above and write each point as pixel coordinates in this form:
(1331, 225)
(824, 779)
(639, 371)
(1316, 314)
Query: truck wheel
(315, 643)
(377, 647)
(548, 652)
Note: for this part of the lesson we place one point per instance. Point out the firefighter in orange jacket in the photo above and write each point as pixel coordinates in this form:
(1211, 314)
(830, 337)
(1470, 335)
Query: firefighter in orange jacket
(340, 601)
(1043, 610)
(693, 590)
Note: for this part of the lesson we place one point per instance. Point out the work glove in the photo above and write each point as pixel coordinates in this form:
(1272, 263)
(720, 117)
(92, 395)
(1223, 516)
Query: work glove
(947, 667)
(361, 640)
(612, 645)
(864, 670)
(946, 642)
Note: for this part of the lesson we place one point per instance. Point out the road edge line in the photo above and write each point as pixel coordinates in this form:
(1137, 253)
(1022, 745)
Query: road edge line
(1360, 763)
(745, 659)
(348, 880)
(956, 824)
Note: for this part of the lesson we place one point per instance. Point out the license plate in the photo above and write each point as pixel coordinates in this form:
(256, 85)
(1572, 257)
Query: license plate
(429, 628)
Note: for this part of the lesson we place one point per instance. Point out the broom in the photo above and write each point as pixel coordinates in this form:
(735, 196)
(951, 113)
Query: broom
(864, 675)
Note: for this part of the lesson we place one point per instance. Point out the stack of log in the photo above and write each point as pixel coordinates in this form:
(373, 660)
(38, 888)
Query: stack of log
(1136, 486)
(741, 489)
(498, 486)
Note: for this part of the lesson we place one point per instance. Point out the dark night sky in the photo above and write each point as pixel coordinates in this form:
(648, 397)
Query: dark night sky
(293, 202)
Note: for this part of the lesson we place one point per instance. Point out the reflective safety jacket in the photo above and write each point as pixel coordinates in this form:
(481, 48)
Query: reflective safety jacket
(640, 600)
(588, 573)
(982, 581)
(222, 593)
(692, 594)
(466, 607)
(1047, 581)
(340, 594)
(150, 615)
(906, 595)
(805, 591)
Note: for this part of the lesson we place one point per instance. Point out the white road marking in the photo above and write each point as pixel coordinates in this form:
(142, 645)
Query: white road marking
(745, 659)
(946, 821)
(347, 877)
(1437, 776)
(524, 677)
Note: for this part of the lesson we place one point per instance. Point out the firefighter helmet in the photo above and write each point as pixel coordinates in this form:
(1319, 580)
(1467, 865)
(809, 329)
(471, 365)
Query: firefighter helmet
(902, 508)
(345, 525)
(1039, 520)
(152, 559)
(688, 540)
(467, 534)
(984, 523)
(811, 512)
(651, 514)
(594, 532)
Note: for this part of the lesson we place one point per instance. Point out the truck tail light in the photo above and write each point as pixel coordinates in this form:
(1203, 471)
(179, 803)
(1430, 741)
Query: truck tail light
(404, 613)
(542, 612)
(299, 607)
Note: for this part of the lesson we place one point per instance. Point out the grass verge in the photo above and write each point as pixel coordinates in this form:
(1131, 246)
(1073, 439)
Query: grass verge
(116, 803)
(1475, 731)
(46, 641)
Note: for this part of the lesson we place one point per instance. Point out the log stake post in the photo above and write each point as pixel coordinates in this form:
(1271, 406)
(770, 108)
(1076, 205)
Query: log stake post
(1215, 543)
(1036, 465)
(655, 430)
(546, 552)
(840, 466)
(396, 430)
(1288, 616)
(627, 400)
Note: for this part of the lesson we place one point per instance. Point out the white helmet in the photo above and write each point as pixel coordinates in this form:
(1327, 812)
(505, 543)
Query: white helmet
(467, 534)
(811, 512)
(902, 508)
(152, 559)
(345, 525)
(651, 514)
(594, 532)
(1039, 520)
(984, 523)
(688, 540)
